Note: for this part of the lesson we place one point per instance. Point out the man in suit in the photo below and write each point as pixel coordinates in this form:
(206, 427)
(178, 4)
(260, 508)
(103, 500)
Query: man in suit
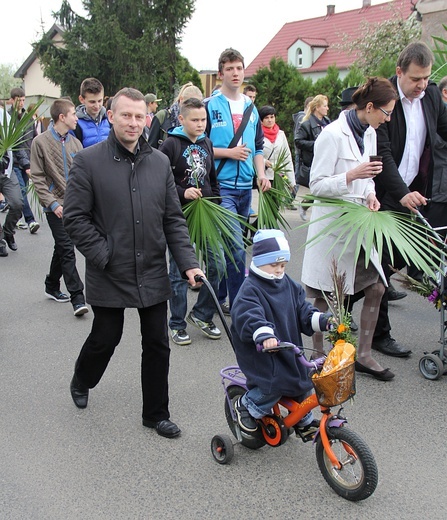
(409, 144)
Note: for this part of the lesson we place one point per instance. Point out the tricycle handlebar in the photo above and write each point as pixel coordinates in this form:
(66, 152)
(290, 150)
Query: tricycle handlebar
(285, 345)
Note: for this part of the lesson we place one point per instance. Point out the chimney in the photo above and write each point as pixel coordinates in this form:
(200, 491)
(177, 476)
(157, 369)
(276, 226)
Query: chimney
(366, 3)
(330, 10)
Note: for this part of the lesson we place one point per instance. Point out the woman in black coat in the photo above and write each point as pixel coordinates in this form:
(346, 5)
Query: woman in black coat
(311, 127)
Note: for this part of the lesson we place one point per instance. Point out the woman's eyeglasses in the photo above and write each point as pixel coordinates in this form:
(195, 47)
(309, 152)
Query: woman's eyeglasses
(388, 114)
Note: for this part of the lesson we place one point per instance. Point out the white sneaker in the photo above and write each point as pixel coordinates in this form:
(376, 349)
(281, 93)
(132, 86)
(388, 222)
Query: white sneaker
(180, 337)
(33, 227)
(303, 214)
(207, 327)
(21, 225)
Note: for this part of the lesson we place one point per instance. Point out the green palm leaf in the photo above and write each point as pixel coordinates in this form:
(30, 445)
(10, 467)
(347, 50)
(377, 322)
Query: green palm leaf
(414, 240)
(12, 132)
(439, 69)
(12, 136)
(212, 226)
(270, 204)
(274, 201)
(33, 199)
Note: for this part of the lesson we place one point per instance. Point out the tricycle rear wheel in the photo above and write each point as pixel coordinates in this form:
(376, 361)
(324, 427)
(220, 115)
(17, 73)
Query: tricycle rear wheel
(222, 449)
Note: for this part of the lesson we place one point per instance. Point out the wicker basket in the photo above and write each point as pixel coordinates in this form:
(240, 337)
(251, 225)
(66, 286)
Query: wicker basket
(336, 388)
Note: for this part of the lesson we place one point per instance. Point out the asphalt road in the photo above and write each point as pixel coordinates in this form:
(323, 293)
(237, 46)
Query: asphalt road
(58, 462)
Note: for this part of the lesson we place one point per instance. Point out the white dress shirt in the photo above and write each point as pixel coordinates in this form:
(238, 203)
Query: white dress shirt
(415, 138)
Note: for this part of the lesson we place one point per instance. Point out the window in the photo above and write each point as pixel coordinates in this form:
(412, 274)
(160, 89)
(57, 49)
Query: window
(299, 57)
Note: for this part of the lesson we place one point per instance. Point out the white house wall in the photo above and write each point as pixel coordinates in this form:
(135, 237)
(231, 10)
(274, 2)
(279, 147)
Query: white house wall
(35, 84)
(307, 54)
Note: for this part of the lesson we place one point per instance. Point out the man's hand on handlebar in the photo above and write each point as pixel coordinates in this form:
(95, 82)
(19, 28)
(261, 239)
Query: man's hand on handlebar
(194, 276)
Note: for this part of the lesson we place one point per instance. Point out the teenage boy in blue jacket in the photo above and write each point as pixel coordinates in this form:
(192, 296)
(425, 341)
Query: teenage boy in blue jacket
(93, 125)
(235, 165)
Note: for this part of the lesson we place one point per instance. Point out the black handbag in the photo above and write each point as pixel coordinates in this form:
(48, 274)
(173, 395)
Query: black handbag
(303, 175)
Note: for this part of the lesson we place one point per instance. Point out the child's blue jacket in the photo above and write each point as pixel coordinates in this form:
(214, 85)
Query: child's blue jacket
(278, 305)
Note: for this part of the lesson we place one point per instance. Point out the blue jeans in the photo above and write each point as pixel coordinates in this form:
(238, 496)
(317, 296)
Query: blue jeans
(178, 303)
(239, 202)
(259, 404)
(24, 181)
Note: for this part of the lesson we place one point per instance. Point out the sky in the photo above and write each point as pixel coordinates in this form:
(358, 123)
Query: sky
(213, 27)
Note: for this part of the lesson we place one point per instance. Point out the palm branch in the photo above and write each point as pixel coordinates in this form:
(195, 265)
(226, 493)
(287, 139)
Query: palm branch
(424, 287)
(270, 205)
(212, 226)
(274, 201)
(12, 132)
(351, 221)
(341, 318)
(439, 69)
(33, 199)
(427, 287)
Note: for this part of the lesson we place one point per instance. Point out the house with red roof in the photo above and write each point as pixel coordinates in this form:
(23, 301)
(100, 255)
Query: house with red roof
(313, 45)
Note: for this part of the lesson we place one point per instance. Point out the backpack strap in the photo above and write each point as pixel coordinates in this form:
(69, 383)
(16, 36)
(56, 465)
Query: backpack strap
(157, 131)
(177, 152)
(237, 135)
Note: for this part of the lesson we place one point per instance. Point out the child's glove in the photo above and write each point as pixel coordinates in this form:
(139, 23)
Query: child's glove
(326, 321)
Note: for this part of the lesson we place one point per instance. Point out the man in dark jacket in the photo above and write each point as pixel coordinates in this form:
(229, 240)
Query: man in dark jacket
(22, 160)
(10, 187)
(411, 174)
(122, 211)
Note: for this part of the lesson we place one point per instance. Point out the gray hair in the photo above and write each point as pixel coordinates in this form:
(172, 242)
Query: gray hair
(128, 92)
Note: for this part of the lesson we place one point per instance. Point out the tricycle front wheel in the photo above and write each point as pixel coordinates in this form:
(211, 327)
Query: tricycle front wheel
(358, 476)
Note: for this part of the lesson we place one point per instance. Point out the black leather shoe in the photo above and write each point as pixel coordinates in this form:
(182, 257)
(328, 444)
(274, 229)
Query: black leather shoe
(11, 242)
(390, 347)
(394, 295)
(165, 428)
(354, 326)
(79, 393)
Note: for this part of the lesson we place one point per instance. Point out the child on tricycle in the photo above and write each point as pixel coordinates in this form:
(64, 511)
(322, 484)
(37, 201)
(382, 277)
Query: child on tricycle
(270, 393)
(269, 306)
